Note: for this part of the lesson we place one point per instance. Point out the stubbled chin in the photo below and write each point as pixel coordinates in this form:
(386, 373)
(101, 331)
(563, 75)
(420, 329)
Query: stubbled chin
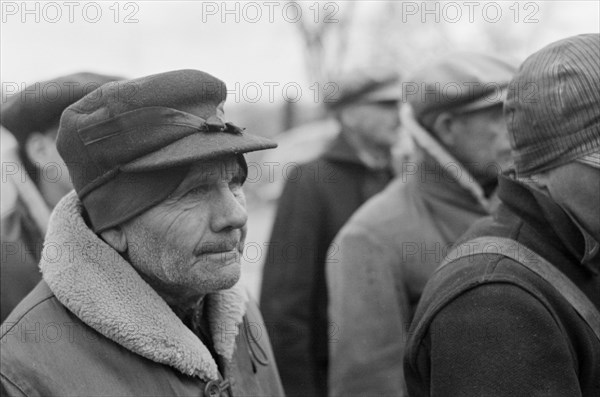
(228, 276)
(232, 281)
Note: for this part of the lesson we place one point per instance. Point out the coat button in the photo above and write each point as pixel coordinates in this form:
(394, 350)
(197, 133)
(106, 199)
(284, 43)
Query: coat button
(212, 389)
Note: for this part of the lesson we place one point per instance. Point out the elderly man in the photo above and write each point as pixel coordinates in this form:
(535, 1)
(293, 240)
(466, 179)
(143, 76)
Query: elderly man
(514, 309)
(382, 258)
(315, 203)
(34, 176)
(140, 264)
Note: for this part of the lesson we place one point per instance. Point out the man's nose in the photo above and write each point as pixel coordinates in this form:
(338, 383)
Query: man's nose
(396, 115)
(501, 130)
(229, 211)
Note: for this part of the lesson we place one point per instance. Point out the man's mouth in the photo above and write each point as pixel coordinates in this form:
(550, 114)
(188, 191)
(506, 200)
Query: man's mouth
(224, 247)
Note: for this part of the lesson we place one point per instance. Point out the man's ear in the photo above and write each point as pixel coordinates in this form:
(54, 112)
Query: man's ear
(116, 238)
(442, 128)
(36, 147)
(347, 117)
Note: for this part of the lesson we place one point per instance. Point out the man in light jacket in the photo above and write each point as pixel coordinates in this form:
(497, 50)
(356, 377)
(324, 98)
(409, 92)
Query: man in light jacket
(382, 258)
(141, 261)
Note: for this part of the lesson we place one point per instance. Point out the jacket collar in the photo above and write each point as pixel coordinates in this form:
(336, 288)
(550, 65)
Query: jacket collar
(95, 283)
(536, 208)
(436, 155)
(340, 150)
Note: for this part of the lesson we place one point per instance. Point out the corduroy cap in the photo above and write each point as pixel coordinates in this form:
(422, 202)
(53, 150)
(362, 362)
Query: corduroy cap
(459, 83)
(553, 105)
(129, 144)
(38, 107)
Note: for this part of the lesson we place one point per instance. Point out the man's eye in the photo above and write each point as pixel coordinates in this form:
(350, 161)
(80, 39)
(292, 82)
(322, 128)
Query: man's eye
(199, 190)
(235, 185)
(236, 180)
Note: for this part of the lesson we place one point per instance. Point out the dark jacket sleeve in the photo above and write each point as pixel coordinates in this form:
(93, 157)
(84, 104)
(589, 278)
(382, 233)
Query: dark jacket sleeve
(499, 340)
(9, 389)
(288, 293)
(21, 248)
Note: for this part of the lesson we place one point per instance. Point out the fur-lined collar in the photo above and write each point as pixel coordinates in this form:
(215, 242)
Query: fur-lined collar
(95, 283)
(425, 141)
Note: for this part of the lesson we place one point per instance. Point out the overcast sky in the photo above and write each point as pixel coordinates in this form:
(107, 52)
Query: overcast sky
(163, 36)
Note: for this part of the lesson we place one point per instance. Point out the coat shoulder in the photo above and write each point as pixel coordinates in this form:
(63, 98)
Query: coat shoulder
(393, 214)
(47, 350)
(31, 308)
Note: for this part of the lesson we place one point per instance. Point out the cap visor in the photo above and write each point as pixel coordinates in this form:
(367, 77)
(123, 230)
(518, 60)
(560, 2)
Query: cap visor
(388, 93)
(593, 160)
(197, 147)
(497, 98)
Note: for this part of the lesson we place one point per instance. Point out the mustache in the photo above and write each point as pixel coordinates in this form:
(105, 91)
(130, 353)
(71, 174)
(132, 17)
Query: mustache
(217, 247)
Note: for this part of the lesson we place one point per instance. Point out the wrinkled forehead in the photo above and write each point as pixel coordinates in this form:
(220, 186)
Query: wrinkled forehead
(211, 171)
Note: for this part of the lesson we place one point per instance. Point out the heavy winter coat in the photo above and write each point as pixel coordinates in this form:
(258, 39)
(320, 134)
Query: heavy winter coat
(317, 200)
(93, 327)
(487, 326)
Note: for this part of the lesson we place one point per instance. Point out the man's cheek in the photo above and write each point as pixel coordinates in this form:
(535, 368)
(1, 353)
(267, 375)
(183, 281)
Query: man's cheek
(178, 226)
(241, 198)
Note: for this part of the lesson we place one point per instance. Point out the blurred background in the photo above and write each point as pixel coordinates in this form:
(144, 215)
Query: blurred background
(278, 59)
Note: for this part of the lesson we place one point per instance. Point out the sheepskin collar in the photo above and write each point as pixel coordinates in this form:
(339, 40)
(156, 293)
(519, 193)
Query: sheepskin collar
(95, 283)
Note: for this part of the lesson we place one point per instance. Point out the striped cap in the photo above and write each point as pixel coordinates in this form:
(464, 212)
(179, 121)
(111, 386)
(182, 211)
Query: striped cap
(552, 108)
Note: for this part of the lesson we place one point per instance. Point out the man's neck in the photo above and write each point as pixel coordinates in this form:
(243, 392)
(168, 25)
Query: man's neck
(185, 310)
(373, 156)
(184, 306)
(489, 186)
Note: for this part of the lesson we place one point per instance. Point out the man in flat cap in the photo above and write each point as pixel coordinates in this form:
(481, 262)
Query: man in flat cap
(34, 176)
(316, 201)
(382, 258)
(141, 261)
(514, 307)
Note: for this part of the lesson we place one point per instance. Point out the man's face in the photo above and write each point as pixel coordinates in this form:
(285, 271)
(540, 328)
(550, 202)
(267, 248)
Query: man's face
(41, 150)
(576, 187)
(191, 243)
(377, 123)
(481, 143)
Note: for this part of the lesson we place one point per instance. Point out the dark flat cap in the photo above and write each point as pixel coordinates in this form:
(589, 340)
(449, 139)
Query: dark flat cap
(459, 82)
(125, 137)
(553, 106)
(39, 106)
(151, 123)
(360, 86)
